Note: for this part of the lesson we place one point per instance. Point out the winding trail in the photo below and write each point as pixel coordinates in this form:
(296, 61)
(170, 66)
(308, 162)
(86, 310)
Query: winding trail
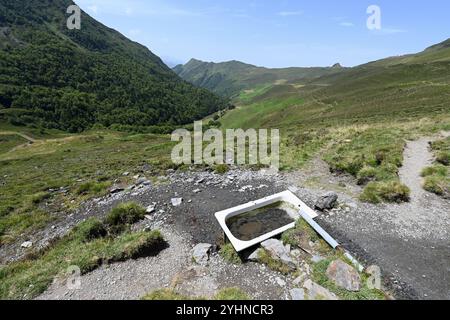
(417, 156)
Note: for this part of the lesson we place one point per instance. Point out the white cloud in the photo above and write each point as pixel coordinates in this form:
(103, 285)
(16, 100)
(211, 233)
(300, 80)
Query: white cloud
(290, 13)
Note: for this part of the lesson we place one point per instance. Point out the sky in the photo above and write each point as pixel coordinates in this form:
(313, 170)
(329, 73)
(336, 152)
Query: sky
(275, 33)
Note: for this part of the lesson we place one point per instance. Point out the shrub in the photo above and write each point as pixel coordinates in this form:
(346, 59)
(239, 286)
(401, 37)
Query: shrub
(229, 254)
(125, 214)
(392, 191)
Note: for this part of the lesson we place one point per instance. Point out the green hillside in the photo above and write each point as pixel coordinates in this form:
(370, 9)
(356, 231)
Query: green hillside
(357, 120)
(228, 79)
(54, 77)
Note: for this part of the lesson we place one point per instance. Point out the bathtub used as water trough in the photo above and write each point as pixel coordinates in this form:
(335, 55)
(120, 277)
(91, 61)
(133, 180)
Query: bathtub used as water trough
(252, 223)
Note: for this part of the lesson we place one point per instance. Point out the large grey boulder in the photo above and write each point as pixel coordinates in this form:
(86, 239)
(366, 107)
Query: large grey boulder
(201, 252)
(317, 292)
(327, 201)
(279, 252)
(344, 276)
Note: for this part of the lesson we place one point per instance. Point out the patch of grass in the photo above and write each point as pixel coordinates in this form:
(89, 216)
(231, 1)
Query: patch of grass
(164, 295)
(437, 177)
(125, 214)
(442, 150)
(303, 233)
(392, 191)
(275, 265)
(437, 170)
(437, 180)
(37, 198)
(227, 294)
(230, 294)
(319, 276)
(8, 142)
(90, 229)
(93, 188)
(27, 279)
(58, 160)
(229, 254)
(221, 168)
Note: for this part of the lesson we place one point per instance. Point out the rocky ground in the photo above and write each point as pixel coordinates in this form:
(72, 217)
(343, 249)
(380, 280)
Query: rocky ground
(410, 242)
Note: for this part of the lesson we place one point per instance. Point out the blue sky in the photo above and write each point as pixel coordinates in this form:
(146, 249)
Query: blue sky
(275, 33)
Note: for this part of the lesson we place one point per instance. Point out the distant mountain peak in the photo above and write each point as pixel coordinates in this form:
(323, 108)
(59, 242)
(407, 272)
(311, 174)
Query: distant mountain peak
(337, 66)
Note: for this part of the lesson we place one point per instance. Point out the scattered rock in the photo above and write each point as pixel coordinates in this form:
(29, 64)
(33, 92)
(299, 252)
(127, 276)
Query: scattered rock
(279, 252)
(27, 244)
(176, 202)
(327, 201)
(317, 292)
(143, 181)
(297, 294)
(197, 191)
(117, 188)
(300, 279)
(317, 258)
(344, 276)
(280, 282)
(201, 253)
(126, 174)
(150, 209)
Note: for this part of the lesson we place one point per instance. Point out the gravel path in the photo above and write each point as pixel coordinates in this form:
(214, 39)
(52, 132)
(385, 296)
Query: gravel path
(417, 156)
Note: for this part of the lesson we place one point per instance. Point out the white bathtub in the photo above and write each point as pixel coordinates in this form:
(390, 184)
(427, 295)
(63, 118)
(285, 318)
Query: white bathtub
(286, 196)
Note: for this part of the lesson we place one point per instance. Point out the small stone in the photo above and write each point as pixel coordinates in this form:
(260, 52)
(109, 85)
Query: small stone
(327, 201)
(150, 209)
(126, 174)
(279, 252)
(297, 294)
(317, 259)
(299, 280)
(197, 191)
(280, 282)
(176, 202)
(344, 275)
(27, 244)
(201, 253)
(142, 181)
